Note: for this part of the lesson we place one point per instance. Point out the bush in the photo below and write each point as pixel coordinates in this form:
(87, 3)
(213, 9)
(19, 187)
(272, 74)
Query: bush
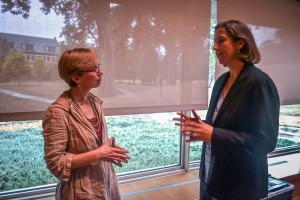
(151, 143)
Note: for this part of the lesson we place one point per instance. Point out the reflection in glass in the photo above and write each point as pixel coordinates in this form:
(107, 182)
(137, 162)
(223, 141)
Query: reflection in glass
(153, 54)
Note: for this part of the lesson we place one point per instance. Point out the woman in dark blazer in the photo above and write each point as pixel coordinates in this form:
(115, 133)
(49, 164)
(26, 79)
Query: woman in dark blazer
(242, 121)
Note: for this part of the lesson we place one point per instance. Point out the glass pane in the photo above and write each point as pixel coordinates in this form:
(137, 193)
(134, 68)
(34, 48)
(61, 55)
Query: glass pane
(196, 150)
(152, 140)
(153, 54)
(196, 147)
(21, 161)
(289, 130)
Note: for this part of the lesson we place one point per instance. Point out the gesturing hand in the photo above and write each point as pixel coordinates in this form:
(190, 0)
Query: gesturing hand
(184, 118)
(194, 127)
(113, 153)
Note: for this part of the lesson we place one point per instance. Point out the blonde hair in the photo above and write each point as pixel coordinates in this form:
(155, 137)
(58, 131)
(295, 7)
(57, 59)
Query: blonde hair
(75, 61)
(239, 31)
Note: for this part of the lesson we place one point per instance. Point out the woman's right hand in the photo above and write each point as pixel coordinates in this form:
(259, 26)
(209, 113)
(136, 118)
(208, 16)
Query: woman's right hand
(194, 127)
(113, 153)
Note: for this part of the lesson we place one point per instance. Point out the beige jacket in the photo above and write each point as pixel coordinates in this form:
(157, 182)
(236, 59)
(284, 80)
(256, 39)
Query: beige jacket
(66, 132)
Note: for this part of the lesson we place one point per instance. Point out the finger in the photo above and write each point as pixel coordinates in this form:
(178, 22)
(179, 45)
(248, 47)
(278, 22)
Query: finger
(196, 124)
(121, 157)
(179, 124)
(125, 157)
(178, 119)
(117, 147)
(121, 160)
(120, 150)
(113, 142)
(183, 115)
(187, 129)
(196, 115)
(117, 163)
(109, 141)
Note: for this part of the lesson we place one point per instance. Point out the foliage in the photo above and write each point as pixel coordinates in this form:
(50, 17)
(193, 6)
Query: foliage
(129, 42)
(15, 65)
(82, 26)
(41, 69)
(16, 7)
(4, 48)
(284, 143)
(21, 161)
(151, 143)
(290, 110)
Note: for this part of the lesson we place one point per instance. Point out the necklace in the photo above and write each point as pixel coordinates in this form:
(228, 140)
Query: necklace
(96, 122)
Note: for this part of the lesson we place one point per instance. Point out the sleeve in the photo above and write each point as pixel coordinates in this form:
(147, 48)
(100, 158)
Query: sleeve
(259, 132)
(55, 135)
(265, 120)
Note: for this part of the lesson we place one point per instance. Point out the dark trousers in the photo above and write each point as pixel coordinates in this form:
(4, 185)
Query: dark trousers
(203, 192)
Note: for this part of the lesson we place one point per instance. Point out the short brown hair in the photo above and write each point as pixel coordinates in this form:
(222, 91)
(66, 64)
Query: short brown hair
(238, 30)
(74, 60)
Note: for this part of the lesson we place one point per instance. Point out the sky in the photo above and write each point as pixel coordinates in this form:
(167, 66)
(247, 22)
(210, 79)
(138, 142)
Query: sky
(38, 24)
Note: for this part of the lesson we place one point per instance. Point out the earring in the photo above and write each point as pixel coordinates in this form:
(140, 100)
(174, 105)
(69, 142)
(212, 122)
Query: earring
(238, 54)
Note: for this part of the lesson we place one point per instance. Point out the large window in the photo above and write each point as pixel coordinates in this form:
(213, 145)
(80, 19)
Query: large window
(152, 139)
(157, 60)
(154, 54)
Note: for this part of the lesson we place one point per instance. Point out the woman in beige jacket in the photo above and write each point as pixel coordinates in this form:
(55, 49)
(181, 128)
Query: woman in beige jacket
(76, 145)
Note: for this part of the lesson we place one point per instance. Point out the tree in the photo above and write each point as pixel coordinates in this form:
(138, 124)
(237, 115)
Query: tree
(103, 26)
(4, 49)
(16, 7)
(41, 69)
(85, 25)
(16, 66)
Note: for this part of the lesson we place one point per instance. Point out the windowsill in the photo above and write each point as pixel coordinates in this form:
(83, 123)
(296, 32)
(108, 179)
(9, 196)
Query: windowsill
(285, 167)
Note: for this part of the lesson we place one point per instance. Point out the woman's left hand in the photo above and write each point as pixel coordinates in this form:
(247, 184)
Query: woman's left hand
(194, 127)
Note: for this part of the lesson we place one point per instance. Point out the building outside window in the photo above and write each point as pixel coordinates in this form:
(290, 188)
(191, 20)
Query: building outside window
(29, 47)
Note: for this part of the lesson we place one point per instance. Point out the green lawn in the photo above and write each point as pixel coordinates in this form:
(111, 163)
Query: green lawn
(151, 142)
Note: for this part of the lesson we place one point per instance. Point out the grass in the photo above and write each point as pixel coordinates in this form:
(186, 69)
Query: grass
(152, 142)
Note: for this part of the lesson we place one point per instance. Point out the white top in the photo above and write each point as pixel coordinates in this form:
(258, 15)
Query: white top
(208, 144)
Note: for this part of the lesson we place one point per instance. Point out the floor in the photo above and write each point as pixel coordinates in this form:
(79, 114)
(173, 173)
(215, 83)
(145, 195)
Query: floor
(185, 186)
(176, 187)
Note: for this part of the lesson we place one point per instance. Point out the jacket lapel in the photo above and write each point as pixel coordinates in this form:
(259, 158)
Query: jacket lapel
(237, 86)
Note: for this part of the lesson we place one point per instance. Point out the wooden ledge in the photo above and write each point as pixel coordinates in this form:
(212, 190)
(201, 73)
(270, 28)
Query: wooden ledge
(285, 167)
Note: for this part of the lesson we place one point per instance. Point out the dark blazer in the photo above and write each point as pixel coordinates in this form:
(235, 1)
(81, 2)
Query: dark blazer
(245, 131)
